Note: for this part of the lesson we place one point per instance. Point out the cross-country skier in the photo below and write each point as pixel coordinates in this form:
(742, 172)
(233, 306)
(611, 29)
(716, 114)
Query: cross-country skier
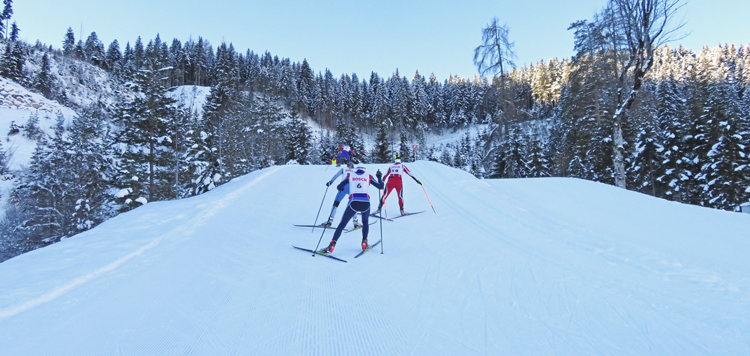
(345, 151)
(359, 201)
(341, 194)
(393, 177)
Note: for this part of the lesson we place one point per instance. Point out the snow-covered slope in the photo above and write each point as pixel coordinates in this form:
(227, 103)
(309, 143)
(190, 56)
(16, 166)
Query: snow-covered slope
(17, 104)
(506, 267)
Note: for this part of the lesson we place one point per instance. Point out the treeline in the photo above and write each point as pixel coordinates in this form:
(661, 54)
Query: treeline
(686, 138)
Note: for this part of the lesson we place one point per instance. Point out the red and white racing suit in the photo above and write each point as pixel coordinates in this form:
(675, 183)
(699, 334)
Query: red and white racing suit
(393, 175)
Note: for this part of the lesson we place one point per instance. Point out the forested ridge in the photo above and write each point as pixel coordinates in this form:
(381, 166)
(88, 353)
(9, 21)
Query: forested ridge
(686, 138)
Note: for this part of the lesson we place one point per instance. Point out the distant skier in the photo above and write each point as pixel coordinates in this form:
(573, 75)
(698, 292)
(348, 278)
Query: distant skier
(393, 177)
(345, 151)
(359, 201)
(344, 172)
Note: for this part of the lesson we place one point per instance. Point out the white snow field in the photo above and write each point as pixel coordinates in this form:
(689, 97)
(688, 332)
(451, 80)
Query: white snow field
(506, 267)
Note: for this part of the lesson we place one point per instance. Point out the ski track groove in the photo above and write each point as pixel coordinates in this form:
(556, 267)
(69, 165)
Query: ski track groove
(426, 320)
(484, 307)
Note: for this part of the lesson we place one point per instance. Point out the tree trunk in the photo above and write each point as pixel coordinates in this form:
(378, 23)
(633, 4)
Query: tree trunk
(619, 157)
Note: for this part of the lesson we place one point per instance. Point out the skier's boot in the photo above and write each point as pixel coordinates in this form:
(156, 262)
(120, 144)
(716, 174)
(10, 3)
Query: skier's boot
(364, 243)
(357, 225)
(402, 211)
(330, 247)
(328, 223)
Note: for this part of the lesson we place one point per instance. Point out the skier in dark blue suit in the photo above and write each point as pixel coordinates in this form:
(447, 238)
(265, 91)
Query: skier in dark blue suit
(345, 151)
(359, 183)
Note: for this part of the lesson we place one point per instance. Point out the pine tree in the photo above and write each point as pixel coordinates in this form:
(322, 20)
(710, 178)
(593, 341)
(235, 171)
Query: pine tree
(93, 50)
(114, 58)
(43, 80)
(65, 189)
(6, 15)
(672, 122)
(31, 129)
(92, 167)
(138, 54)
(78, 51)
(202, 160)
(11, 66)
(145, 122)
(421, 106)
(647, 160)
(5, 173)
(69, 43)
(405, 148)
(538, 163)
(298, 140)
(382, 153)
(726, 164)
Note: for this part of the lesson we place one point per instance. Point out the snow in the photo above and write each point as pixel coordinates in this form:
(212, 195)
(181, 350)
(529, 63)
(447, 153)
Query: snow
(17, 104)
(191, 97)
(506, 267)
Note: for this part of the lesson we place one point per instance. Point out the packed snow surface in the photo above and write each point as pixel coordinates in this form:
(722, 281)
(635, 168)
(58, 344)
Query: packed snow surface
(552, 266)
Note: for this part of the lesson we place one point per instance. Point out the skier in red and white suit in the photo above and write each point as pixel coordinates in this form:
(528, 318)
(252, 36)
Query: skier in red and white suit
(393, 175)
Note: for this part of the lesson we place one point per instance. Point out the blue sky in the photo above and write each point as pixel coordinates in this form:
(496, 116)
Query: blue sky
(432, 36)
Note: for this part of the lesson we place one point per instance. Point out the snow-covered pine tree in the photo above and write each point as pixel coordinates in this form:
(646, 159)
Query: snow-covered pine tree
(93, 50)
(146, 143)
(298, 140)
(538, 163)
(11, 64)
(421, 106)
(43, 79)
(69, 43)
(201, 160)
(672, 121)
(305, 85)
(5, 173)
(404, 148)
(113, 58)
(64, 190)
(91, 163)
(726, 164)
(267, 130)
(327, 148)
(445, 156)
(647, 159)
(5, 16)
(382, 150)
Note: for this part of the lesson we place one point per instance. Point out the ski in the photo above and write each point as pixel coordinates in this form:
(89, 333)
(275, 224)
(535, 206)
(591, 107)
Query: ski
(368, 249)
(381, 217)
(308, 225)
(320, 252)
(407, 214)
(357, 228)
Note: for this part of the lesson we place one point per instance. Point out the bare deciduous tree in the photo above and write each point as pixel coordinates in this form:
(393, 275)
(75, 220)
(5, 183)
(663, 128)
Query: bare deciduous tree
(496, 49)
(644, 25)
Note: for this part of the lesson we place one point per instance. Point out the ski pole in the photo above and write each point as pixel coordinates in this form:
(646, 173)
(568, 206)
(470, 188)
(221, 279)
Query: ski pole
(320, 239)
(321, 207)
(428, 199)
(381, 227)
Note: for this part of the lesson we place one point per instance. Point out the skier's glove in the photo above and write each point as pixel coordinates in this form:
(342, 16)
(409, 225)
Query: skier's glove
(418, 182)
(379, 174)
(328, 184)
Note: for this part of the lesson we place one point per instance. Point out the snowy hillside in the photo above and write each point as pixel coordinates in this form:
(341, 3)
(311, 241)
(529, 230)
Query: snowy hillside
(17, 104)
(506, 267)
